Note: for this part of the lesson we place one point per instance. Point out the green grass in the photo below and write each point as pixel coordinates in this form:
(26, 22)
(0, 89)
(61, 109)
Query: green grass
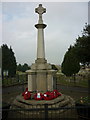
(80, 84)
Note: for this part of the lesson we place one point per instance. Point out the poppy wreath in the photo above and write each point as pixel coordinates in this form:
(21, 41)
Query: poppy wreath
(48, 96)
(27, 95)
(38, 96)
(56, 93)
(24, 91)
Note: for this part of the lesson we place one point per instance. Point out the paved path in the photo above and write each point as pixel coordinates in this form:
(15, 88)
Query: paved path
(16, 88)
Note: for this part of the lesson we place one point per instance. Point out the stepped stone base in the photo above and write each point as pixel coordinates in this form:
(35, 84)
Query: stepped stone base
(61, 101)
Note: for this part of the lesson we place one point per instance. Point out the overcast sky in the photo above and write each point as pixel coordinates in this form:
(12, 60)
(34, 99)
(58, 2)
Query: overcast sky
(65, 21)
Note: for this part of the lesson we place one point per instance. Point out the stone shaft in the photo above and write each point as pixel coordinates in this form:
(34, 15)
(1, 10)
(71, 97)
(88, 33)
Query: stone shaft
(40, 44)
(40, 36)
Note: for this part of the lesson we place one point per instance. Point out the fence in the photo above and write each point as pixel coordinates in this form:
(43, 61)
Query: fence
(46, 113)
(18, 79)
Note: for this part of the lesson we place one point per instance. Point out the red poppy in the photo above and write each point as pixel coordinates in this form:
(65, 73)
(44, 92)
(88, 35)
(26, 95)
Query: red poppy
(48, 96)
(59, 94)
(56, 93)
(27, 95)
(24, 91)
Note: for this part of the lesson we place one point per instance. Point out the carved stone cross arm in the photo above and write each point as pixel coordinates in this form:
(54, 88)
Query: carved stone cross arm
(40, 10)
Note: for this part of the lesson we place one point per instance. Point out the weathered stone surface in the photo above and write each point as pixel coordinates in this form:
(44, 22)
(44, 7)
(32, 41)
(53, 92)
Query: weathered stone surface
(61, 101)
(42, 102)
(41, 80)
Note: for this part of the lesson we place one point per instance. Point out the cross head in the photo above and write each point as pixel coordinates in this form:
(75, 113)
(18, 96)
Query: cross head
(40, 10)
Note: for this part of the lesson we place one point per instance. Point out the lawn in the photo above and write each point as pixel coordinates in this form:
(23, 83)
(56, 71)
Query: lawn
(63, 80)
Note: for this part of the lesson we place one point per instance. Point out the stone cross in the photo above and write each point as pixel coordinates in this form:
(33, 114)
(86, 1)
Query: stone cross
(41, 75)
(40, 10)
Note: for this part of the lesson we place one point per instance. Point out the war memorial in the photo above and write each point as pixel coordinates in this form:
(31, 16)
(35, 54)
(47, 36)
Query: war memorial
(41, 82)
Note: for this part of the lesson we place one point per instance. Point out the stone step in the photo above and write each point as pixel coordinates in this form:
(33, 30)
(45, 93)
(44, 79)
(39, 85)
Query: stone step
(61, 101)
